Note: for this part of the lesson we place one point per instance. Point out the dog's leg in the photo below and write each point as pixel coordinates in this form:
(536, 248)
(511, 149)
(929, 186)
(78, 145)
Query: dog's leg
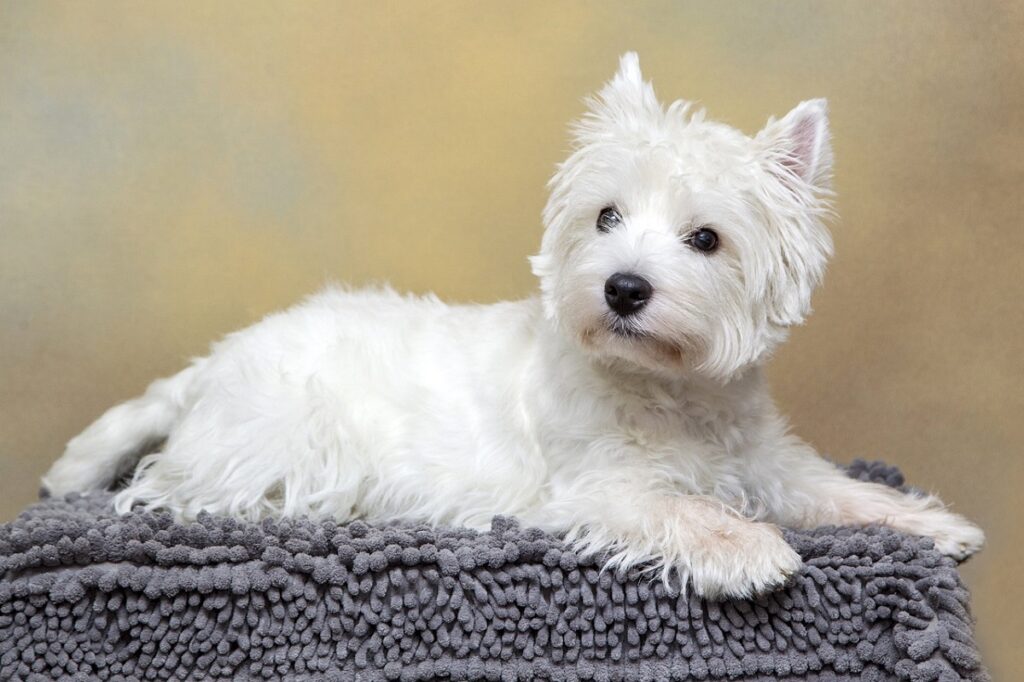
(634, 519)
(252, 450)
(798, 488)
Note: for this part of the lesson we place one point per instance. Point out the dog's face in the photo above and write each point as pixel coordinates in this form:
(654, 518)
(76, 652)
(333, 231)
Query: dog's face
(681, 245)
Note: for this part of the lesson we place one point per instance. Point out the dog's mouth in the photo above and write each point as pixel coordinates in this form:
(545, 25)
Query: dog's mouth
(636, 343)
(629, 330)
(625, 328)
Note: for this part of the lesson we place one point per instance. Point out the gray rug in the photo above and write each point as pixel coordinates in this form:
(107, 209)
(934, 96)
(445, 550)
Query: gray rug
(88, 595)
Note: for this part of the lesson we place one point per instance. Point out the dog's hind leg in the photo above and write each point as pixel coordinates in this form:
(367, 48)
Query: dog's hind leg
(259, 445)
(97, 457)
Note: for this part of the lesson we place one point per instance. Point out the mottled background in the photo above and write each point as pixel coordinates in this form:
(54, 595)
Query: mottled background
(173, 171)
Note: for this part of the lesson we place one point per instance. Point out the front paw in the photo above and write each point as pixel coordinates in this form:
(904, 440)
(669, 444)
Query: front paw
(740, 559)
(954, 535)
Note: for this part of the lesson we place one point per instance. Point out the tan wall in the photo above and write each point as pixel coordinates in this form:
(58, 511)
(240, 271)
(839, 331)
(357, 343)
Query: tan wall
(171, 172)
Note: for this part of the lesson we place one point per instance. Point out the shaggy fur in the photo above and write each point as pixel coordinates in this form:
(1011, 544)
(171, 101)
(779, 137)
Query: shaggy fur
(650, 438)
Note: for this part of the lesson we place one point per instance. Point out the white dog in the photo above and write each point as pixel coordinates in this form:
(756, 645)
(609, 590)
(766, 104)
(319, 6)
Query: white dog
(624, 406)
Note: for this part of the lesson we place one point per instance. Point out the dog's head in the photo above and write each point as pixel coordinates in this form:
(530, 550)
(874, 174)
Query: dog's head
(682, 245)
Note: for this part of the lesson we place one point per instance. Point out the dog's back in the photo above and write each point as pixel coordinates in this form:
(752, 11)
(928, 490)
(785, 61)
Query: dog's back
(320, 409)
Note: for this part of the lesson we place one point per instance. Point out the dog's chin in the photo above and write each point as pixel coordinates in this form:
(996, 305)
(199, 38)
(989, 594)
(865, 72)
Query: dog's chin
(621, 342)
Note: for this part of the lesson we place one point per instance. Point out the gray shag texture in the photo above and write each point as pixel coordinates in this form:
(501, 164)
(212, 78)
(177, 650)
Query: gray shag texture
(85, 594)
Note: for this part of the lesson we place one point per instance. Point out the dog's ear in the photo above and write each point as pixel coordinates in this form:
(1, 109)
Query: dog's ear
(797, 155)
(797, 147)
(626, 100)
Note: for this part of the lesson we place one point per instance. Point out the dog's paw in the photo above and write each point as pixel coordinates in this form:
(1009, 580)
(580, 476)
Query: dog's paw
(741, 559)
(954, 535)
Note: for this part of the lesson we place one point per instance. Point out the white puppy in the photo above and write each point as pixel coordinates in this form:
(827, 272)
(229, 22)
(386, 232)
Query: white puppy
(624, 406)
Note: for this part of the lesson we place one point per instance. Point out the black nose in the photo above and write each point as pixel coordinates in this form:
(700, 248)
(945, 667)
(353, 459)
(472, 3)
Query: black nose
(627, 294)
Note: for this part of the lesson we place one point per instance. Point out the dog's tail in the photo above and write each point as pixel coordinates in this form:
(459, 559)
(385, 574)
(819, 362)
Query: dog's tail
(107, 450)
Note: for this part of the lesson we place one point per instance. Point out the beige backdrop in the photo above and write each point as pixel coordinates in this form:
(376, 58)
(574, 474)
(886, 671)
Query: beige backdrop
(170, 172)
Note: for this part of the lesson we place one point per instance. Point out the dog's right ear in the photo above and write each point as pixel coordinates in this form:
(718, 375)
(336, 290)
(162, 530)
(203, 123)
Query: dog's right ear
(626, 100)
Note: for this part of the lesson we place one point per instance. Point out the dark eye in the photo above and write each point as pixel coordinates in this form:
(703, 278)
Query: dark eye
(705, 239)
(608, 218)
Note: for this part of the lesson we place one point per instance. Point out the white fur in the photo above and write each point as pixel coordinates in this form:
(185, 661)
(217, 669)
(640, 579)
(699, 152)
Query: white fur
(660, 447)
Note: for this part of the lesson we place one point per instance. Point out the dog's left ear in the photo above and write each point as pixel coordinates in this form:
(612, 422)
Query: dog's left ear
(797, 147)
(797, 152)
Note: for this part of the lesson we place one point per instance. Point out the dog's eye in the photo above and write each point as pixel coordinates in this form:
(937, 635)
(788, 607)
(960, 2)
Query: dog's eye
(607, 219)
(705, 239)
